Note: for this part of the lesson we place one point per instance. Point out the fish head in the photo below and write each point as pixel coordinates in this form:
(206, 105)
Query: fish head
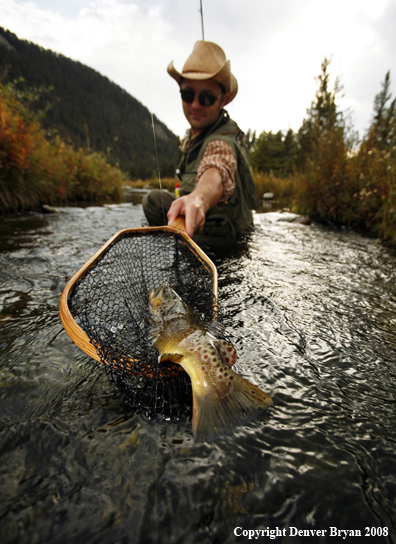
(165, 303)
(164, 293)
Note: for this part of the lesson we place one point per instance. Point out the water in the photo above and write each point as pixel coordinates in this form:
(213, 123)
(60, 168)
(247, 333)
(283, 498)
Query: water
(313, 314)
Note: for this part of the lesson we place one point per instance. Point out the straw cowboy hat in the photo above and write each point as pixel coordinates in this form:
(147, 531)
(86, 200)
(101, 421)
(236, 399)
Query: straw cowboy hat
(207, 61)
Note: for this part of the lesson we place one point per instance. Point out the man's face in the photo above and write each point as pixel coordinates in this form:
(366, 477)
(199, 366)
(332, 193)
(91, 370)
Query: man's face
(199, 116)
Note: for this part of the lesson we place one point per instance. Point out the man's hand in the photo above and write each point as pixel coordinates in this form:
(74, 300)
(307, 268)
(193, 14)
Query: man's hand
(194, 210)
(194, 206)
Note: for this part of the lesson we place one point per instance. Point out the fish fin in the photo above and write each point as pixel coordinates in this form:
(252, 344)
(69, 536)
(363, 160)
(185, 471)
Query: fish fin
(215, 416)
(174, 357)
(216, 328)
(226, 351)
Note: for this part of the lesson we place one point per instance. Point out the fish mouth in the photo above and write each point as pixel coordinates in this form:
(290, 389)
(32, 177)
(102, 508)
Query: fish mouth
(161, 293)
(154, 293)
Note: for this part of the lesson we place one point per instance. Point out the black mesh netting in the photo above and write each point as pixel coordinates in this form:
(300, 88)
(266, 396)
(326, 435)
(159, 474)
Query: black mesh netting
(110, 303)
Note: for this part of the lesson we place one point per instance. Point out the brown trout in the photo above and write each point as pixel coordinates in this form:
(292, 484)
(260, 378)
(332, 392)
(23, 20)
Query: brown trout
(221, 398)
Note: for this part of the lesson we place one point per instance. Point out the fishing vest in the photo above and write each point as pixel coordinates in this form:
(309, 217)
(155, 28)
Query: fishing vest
(235, 217)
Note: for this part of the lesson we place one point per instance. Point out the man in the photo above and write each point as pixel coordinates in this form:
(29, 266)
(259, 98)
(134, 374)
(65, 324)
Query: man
(217, 186)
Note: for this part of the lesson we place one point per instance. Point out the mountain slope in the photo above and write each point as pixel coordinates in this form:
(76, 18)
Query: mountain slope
(88, 108)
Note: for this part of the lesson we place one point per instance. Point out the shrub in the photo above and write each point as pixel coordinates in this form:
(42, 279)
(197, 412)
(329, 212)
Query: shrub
(36, 170)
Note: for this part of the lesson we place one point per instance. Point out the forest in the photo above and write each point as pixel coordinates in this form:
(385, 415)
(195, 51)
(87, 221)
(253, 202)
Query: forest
(87, 109)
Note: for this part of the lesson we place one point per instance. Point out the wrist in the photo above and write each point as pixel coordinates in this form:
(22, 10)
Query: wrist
(209, 188)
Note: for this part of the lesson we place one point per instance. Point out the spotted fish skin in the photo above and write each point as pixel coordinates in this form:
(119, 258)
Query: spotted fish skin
(221, 398)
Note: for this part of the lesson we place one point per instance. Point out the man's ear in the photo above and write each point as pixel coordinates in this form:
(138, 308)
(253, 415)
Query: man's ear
(224, 99)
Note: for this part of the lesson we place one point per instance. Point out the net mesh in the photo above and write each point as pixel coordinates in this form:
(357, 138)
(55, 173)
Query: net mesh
(110, 303)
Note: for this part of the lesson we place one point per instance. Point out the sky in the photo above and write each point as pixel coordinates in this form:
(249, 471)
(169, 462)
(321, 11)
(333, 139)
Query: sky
(276, 48)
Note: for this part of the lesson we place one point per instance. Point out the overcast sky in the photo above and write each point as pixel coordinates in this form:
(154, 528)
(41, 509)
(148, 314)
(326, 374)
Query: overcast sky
(275, 46)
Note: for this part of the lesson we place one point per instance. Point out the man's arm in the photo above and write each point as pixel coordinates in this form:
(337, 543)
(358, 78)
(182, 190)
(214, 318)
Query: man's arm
(215, 184)
(195, 206)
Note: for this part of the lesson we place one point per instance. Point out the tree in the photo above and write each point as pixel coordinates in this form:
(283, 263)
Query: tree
(383, 127)
(274, 153)
(323, 150)
(322, 117)
(250, 141)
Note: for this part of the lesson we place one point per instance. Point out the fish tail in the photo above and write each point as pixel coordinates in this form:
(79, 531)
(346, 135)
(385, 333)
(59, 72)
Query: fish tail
(213, 416)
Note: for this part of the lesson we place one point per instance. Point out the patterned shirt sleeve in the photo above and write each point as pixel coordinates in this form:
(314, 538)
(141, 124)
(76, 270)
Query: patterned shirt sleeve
(219, 154)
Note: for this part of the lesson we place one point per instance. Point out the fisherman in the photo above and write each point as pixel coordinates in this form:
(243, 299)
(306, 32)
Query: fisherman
(217, 188)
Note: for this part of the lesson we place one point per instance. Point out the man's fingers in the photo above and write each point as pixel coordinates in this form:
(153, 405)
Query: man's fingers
(191, 208)
(174, 211)
(190, 224)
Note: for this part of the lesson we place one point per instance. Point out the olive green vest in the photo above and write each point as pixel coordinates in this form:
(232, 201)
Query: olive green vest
(235, 217)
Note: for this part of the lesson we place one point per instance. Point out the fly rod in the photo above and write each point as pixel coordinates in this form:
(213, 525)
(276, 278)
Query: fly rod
(202, 22)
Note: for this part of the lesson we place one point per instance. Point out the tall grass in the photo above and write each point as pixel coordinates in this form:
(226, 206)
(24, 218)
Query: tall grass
(167, 183)
(282, 188)
(36, 170)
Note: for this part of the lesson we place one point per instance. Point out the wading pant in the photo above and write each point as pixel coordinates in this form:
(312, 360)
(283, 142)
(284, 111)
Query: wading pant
(156, 205)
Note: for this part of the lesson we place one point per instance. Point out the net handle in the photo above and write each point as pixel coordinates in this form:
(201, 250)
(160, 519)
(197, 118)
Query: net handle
(179, 224)
(76, 333)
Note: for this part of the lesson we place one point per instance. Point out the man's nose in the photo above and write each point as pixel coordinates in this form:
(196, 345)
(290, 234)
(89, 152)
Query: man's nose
(195, 103)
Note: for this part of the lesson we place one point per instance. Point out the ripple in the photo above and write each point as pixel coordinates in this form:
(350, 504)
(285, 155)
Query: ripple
(312, 313)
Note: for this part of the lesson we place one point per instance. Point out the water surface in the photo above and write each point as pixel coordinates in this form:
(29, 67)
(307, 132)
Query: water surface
(312, 312)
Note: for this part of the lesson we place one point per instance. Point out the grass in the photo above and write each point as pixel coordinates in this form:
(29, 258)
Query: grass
(360, 192)
(166, 183)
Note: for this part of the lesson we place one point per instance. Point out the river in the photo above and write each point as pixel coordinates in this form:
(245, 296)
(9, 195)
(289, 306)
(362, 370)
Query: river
(312, 313)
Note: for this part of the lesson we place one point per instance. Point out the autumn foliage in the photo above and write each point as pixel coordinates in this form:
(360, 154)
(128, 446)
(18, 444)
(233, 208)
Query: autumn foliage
(334, 178)
(36, 169)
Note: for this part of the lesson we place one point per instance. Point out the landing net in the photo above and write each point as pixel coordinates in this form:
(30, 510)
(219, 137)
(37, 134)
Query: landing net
(110, 304)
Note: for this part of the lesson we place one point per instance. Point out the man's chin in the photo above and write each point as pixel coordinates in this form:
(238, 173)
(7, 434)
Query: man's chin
(197, 123)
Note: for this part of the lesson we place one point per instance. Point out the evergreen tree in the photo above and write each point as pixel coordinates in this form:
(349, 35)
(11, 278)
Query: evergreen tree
(290, 151)
(322, 117)
(383, 127)
(323, 152)
(250, 141)
(274, 153)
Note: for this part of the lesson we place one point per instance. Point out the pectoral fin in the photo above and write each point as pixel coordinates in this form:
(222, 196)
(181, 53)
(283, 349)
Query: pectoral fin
(226, 351)
(173, 357)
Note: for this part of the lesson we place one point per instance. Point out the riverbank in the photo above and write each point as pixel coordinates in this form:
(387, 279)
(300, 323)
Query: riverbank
(36, 169)
(362, 195)
(356, 190)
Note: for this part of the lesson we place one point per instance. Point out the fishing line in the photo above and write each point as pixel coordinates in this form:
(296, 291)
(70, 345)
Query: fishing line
(153, 126)
(151, 109)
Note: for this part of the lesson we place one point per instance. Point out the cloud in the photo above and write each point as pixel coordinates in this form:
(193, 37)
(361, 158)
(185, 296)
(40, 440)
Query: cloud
(276, 49)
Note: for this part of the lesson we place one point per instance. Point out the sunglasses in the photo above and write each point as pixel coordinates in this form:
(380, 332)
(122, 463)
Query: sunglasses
(205, 99)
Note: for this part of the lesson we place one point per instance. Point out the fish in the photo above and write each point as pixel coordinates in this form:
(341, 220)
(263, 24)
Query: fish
(221, 398)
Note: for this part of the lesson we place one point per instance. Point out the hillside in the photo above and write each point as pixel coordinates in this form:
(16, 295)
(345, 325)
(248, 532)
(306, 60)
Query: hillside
(88, 109)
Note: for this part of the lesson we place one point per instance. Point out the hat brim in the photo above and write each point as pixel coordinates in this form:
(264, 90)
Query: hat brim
(202, 76)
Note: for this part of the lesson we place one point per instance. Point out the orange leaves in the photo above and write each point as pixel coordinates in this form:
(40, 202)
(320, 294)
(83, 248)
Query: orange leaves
(35, 170)
(16, 139)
